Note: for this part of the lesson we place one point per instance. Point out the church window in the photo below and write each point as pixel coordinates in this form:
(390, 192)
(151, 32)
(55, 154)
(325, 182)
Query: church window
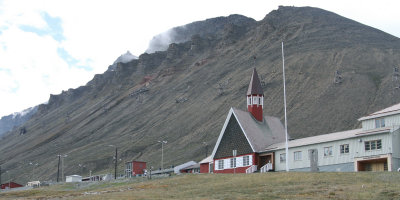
(246, 161)
(220, 164)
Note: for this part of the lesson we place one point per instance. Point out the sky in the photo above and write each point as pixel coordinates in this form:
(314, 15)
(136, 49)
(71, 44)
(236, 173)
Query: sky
(47, 46)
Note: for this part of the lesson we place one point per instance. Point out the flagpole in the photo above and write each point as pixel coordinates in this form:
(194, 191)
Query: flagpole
(284, 100)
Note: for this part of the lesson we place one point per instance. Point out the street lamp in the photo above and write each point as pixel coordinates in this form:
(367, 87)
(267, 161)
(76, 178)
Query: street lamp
(81, 166)
(162, 153)
(33, 168)
(116, 160)
(9, 181)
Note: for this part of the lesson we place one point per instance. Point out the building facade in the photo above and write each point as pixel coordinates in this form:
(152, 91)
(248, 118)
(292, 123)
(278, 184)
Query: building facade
(250, 141)
(135, 168)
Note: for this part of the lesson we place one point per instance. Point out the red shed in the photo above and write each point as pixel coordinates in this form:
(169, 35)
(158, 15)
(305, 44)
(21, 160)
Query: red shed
(10, 185)
(135, 168)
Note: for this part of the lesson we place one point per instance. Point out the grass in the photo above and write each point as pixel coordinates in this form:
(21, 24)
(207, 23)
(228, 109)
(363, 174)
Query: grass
(378, 185)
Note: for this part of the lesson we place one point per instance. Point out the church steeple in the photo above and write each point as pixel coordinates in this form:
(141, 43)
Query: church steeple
(255, 97)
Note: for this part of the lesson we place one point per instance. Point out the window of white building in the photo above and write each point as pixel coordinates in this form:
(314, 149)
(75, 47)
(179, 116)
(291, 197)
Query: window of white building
(379, 123)
(328, 151)
(373, 145)
(298, 155)
(344, 148)
(282, 157)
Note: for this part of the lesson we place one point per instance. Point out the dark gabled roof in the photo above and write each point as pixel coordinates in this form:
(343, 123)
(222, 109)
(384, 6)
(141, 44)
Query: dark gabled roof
(259, 134)
(255, 85)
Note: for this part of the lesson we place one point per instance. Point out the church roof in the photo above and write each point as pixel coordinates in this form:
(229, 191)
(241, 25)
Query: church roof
(258, 134)
(255, 85)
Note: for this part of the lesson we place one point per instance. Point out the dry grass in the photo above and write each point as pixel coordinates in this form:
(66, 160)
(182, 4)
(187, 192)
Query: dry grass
(228, 186)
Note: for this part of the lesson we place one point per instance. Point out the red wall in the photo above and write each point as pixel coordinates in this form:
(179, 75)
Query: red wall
(204, 167)
(138, 167)
(238, 169)
(12, 185)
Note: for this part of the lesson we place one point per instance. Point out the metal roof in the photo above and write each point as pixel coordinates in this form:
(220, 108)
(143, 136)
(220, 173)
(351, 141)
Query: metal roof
(258, 134)
(255, 85)
(192, 166)
(206, 160)
(392, 110)
(328, 138)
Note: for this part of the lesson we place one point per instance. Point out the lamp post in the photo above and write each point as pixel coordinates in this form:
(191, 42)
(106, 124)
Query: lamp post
(162, 153)
(81, 166)
(9, 181)
(33, 169)
(116, 160)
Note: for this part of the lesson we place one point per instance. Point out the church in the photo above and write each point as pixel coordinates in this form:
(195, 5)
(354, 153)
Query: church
(253, 142)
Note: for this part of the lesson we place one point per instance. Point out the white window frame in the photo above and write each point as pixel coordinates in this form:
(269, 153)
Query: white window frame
(380, 123)
(344, 149)
(255, 100)
(373, 145)
(297, 155)
(220, 164)
(328, 151)
(232, 162)
(246, 160)
(282, 157)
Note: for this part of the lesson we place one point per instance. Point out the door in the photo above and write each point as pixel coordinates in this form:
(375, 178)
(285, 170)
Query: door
(313, 155)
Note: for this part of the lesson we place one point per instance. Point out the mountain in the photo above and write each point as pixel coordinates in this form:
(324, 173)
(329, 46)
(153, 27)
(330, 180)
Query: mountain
(207, 28)
(124, 58)
(14, 120)
(337, 70)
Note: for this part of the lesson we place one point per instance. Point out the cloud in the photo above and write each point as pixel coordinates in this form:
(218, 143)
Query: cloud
(53, 28)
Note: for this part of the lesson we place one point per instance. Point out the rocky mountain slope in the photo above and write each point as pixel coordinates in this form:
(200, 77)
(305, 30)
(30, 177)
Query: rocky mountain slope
(14, 120)
(182, 95)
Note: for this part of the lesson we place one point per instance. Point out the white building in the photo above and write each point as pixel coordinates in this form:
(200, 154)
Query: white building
(73, 178)
(374, 147)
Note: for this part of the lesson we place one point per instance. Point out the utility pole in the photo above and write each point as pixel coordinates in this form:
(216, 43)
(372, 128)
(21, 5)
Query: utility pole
(116, 160)
(58, 167)
(0, 176)
(162, 153)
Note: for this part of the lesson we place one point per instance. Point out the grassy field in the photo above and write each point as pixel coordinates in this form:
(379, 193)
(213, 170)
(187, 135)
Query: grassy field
(383, 185)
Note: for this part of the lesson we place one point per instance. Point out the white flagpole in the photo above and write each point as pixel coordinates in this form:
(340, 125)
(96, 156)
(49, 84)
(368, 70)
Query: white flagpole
(284, 100)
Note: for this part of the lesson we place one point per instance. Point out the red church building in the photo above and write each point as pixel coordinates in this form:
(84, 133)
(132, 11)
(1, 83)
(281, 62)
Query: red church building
(247, 134)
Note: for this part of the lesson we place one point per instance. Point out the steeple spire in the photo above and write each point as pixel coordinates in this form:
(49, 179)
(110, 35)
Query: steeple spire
(255, 84)
(255, 97)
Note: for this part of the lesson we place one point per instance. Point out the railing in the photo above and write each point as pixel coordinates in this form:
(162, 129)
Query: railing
(251, 169)
(267, 167)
